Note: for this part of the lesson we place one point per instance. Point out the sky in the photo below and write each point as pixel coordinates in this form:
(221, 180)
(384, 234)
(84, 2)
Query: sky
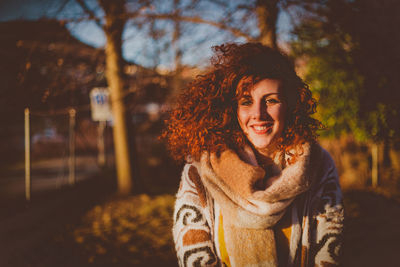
(137, 47)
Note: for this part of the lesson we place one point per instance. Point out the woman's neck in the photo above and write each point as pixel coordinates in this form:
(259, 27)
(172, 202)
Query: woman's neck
(264, 157)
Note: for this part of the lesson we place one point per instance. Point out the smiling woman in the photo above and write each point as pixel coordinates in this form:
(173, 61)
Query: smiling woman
(257, 189)
(261, 114)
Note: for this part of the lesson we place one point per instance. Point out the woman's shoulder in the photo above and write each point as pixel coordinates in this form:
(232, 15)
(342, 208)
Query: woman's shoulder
(191, 182)
(327, 163)
(191, 171)
(327, 174)
(322, 157)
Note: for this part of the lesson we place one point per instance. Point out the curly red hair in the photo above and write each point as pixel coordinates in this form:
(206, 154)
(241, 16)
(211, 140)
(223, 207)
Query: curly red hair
(205, 117)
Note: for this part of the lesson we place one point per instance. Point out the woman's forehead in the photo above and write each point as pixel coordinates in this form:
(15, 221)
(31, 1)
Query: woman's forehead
(246, 84)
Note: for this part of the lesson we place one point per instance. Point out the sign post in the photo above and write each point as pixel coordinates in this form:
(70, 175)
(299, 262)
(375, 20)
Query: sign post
(27, 157)
(71, 160)
(101, 112)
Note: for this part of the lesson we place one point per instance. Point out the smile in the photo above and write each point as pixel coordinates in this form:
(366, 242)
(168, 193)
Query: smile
(262, 129)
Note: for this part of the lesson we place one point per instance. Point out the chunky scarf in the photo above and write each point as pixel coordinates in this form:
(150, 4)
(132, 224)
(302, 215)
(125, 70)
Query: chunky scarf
(253, 199)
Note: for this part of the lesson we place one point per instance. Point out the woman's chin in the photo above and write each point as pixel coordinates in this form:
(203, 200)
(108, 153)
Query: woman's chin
(266, 149)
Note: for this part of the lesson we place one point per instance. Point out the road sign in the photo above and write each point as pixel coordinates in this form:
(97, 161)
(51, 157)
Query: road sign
(100, 104)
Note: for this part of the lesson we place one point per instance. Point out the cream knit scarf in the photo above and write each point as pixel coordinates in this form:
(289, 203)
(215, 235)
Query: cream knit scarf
(253, 201)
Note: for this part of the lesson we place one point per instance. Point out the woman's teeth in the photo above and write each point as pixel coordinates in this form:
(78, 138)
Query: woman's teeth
(260, 128)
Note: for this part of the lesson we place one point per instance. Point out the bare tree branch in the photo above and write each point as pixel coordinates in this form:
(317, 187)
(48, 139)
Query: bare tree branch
(62, 6)
(88, 11)
(196, 19)
(173, 17)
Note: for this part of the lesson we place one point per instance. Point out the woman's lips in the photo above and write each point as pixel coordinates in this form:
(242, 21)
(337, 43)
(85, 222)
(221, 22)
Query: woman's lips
(262, 128)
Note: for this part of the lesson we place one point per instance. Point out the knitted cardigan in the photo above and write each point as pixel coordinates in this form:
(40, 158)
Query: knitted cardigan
(316, 222)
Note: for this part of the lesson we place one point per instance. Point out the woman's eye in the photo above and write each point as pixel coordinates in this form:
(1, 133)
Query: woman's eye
(272, 101)
(245, 103)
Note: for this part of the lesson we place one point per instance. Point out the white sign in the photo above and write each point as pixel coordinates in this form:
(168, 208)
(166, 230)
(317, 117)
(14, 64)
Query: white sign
(100, 104)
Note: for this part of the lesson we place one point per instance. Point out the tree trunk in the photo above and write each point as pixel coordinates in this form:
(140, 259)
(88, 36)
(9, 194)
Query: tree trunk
(375, 164)
(267, 13)
(113, 28)
(176, 79)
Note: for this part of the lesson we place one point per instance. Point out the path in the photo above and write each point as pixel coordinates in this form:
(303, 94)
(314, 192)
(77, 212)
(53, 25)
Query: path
(50, 174)
(29, 235)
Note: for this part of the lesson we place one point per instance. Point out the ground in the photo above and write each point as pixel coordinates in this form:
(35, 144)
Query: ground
(372, 230)
(90, 226)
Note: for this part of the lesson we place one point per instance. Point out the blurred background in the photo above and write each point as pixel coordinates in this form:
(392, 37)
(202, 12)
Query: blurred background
(86, 85)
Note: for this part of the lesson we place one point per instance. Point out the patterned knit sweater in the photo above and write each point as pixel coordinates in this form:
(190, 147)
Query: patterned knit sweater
(315, 234)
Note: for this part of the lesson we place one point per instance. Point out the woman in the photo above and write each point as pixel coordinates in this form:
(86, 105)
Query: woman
(257, 189)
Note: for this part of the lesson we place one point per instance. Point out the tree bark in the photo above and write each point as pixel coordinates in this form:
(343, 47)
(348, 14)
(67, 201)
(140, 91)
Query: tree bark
(176, 79)
(375, 165)
(114, 25)
(267, 13)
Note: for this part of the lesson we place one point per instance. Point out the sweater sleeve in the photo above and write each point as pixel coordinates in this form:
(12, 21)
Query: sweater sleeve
(191, 230)
(327, 217)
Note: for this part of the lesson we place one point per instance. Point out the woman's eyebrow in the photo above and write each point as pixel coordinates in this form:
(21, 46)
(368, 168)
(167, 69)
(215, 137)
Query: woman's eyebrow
(246, 96)
(269, 94)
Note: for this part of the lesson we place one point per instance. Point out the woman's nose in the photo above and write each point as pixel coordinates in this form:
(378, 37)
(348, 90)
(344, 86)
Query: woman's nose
(255, 111)
(260, 111)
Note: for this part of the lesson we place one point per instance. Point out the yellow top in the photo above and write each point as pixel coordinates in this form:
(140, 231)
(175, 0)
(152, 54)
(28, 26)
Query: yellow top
(283, 230)
(221, 241)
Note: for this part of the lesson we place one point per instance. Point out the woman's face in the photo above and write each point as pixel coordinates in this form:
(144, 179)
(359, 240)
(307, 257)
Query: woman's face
(261, 114)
